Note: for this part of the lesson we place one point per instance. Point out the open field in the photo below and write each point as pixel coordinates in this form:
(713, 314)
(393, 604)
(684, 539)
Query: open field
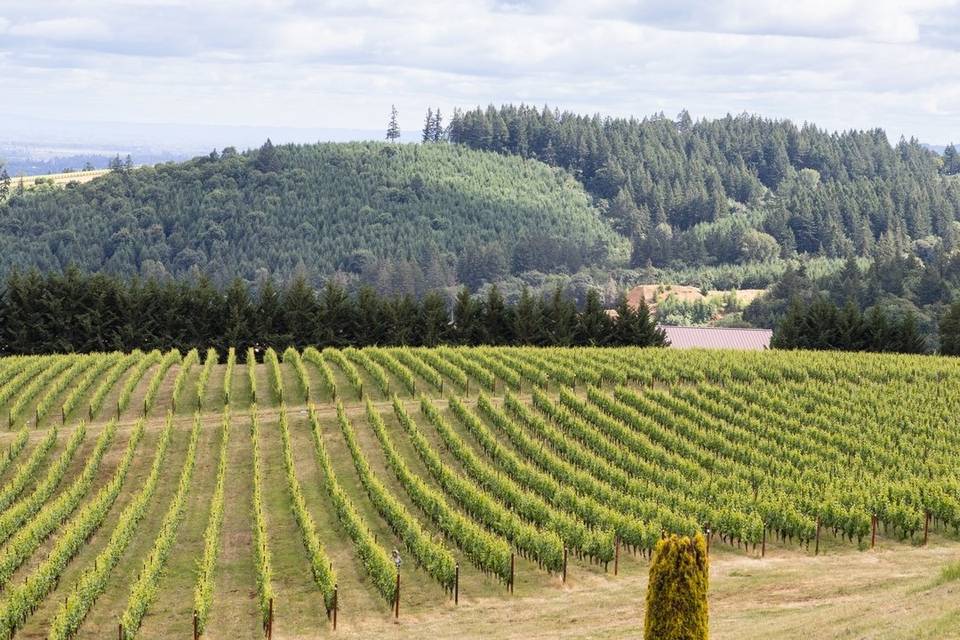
(58, 179)
(138, 489)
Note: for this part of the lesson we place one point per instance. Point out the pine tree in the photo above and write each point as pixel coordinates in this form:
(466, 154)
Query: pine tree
(393, 127)
(593, 324)
(267, 158)
(4, 183)
(527, 319)
(468, 319)
(950, 331)
(369, 319)
(336, 317)
(238, 309)
(299, 307)
(677, 590)
(437, 126)
(496, 320)
(560, 315)
(428, 130)
(434, 320)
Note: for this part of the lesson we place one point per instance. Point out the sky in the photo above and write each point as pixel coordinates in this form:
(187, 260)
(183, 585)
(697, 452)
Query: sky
(292, 65)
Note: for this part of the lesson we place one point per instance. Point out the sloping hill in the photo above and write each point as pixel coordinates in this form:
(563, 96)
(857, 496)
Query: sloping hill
(360, 207)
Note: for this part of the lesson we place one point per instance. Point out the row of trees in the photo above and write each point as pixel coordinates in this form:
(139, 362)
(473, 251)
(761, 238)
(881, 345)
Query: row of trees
(73, 312)
(823, 325)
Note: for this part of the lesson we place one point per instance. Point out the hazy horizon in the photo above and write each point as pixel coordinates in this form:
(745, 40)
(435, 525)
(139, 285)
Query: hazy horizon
(190, 74)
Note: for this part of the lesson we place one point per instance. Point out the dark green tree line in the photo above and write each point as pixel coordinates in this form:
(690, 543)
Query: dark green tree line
(74, 312)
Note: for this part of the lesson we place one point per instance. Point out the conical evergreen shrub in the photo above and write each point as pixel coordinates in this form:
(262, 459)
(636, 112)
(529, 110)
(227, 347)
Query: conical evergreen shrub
(677, 591)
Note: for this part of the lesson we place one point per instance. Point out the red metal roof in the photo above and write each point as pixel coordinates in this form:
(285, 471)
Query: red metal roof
(717, 338)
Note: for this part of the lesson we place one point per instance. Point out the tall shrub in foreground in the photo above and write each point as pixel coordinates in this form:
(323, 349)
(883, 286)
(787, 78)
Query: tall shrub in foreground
(677, 591)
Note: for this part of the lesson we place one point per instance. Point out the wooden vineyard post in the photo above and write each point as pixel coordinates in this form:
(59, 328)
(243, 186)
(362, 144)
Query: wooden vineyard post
(456, 585)
(616, 555)
(763, 543)
(90, 411)
(709, 536)
(144, 407)
(196, 626)
(118, 409)
(119, 631)
(512, 568)
(336, 603)
(270, 621)
(63, 415)
(873, 531)
(926, 528)
(816, 549)
(396, 597)
(564, 565)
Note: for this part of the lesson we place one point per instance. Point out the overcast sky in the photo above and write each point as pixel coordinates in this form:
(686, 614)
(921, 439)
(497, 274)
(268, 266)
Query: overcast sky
(340, 64)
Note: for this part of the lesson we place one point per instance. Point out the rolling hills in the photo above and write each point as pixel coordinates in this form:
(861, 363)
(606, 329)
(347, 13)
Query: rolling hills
(364, 208)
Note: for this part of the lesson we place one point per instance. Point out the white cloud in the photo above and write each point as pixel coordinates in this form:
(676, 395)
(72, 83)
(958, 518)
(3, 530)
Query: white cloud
(840, 63)
(62, 29)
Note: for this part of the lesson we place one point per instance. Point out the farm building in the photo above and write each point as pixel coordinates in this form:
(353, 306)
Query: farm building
(718, 338)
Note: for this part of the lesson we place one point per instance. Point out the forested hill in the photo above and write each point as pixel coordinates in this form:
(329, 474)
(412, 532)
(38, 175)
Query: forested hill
(736, 189)
(404, 217)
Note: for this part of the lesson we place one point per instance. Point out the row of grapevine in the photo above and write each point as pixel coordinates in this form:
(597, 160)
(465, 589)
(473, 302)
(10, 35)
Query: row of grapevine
(274, 374)
(569, 465)
(192, 357)
(371, 367)
(20, 601)
(60, 365)
(489, 553)
(418, 366)
(23, 541)
(108, 381)
(336, 357)
(292, 357)
(596, 543)
(509, 376)
(543, 546)
(641, 486)
(169, 359)
(261, 545)
(228, 375)
(444, 367)
(27, 470)
(376, 562)
(16, 514)
(210, 361)
(144, 590)
(90, 376)
(93, 581)
(475, 369)
(433, 556)
(399, 370)
(252, 374)
(320, 564)
(24, 372)
(203, 591)
(60, 384)
(16, 447)
(314, 357)
(133, 379)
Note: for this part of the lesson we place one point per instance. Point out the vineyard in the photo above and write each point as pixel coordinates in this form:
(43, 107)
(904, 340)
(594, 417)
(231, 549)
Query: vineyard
(241, 495)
